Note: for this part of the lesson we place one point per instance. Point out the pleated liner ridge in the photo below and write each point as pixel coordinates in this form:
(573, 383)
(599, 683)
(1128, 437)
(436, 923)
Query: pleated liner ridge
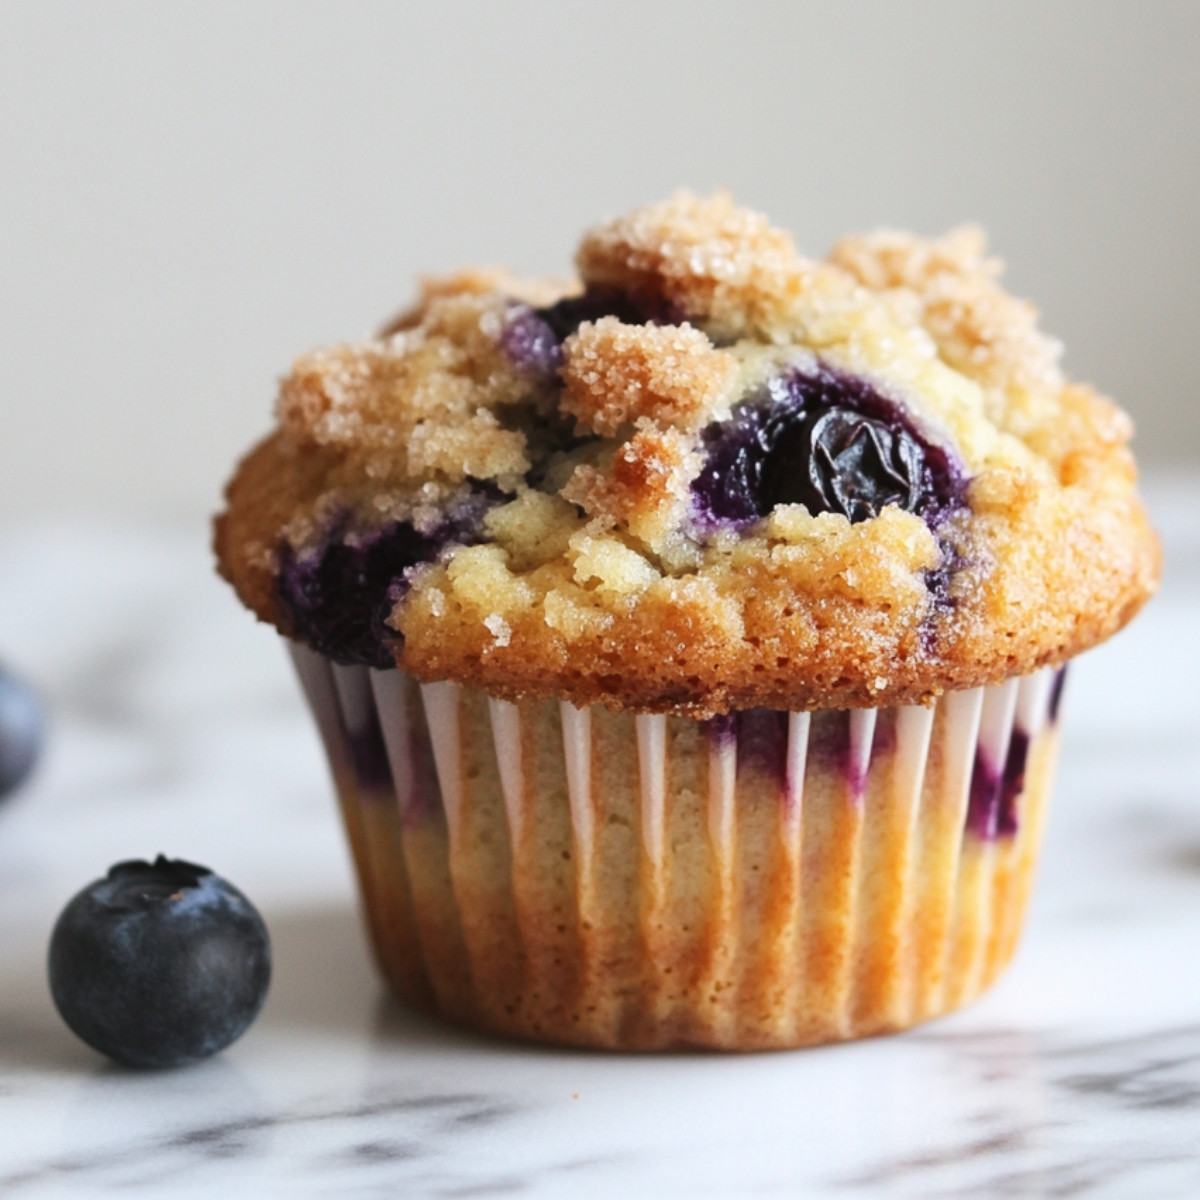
(643, 882)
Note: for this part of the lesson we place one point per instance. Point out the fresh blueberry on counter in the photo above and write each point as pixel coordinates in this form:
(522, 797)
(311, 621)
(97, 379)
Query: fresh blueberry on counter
(159, 964)
(21, 726)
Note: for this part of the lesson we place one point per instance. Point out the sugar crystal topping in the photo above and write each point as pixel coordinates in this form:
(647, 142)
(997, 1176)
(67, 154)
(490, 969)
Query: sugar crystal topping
(709, 474)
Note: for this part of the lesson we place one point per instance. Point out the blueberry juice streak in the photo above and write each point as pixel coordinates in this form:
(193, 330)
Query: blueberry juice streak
(763, 742)
(983, 803)
(339, 596)
(1056, 693)
(759, 739)
(362, 735)
(757, 736)
(992, 806)
(1012, 783)
(371, 767)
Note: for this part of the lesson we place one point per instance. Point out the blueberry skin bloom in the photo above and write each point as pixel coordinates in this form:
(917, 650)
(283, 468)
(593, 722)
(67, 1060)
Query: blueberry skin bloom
(21, 727)
(159, 964)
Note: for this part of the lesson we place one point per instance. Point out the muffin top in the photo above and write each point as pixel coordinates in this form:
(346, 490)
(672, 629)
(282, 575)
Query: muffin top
(709, 475)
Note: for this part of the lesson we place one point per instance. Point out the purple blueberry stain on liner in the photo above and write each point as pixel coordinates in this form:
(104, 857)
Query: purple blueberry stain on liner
(1012, 784)
(763, 743)
(759, 737)
(834, 747)
(426, 796)
(368, 756)
(1056, 694)
(721, 731)
(1012, 780)
(829, 740)
(856, 771)
(992, 807)
(983, 802)
(360, 732)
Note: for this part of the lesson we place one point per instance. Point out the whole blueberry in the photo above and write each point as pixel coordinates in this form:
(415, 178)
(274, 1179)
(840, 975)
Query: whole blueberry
(842, 461)
(159, 964)
(339, 594)
(830, 441)
(21, 726)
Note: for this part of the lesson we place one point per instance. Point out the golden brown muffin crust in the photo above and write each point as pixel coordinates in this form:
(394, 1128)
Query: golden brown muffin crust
(597, 575)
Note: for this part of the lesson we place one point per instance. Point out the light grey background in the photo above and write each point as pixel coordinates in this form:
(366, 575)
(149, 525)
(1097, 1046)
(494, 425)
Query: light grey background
(192, 194)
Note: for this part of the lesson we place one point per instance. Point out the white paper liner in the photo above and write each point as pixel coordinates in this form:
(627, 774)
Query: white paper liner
(577, 876)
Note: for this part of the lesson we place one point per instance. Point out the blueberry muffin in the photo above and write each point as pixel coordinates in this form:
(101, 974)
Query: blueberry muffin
(687, 640)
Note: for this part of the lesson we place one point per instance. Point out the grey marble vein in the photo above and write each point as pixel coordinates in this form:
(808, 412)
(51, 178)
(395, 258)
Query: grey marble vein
(1119, 1085)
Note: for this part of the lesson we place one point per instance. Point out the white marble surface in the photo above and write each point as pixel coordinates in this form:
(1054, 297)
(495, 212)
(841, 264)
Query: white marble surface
(177, 727)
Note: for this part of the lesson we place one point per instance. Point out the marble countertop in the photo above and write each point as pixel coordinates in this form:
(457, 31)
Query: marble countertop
(177, 727)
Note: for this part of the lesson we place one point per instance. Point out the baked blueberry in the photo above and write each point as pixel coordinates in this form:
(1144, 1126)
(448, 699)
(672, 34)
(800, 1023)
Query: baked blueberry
(633, 306)
(828, 441)
(533, 337)
(22, 723)
(842, 461)
(340, 595)
(159, 964)
(729, 488)
(531, 343)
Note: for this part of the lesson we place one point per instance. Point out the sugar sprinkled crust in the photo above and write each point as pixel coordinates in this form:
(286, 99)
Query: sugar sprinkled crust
(593, 490)
(669, 375)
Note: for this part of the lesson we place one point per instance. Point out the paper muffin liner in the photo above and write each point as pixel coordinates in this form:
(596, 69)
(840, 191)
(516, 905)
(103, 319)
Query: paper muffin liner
(760, 880)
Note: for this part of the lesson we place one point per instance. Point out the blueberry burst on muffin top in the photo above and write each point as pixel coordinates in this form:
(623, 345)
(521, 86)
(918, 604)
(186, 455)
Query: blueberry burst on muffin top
(711, 474)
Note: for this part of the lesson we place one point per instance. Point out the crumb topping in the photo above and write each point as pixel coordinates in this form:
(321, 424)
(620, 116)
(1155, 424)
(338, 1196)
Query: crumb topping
(711, 474)
(952, 289)
(714, 262)
(616, 373)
